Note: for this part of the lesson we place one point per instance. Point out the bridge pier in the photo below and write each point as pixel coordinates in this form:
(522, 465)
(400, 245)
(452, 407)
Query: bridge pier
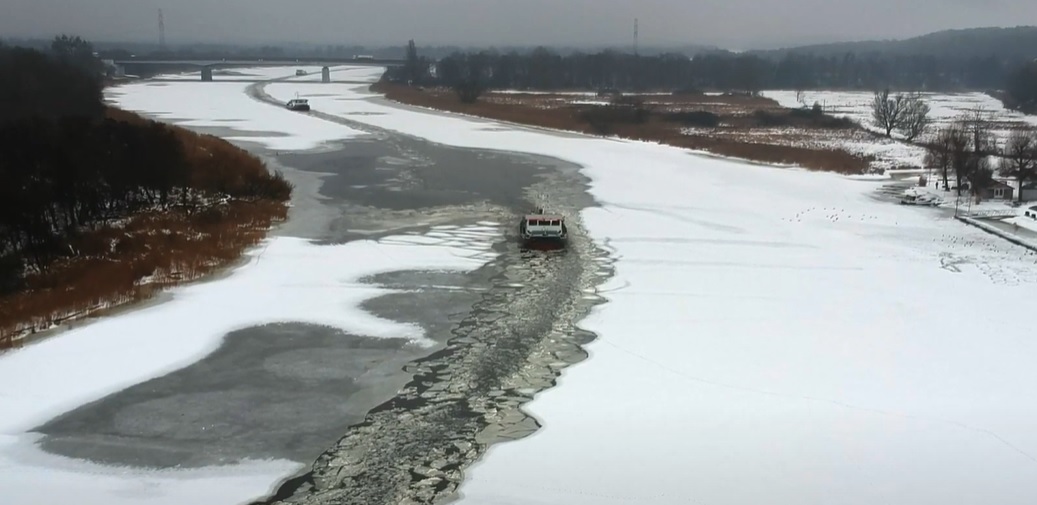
(325, 75)
(206, 74)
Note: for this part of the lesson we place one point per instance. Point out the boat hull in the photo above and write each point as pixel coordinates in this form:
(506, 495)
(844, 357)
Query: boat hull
(543, 244)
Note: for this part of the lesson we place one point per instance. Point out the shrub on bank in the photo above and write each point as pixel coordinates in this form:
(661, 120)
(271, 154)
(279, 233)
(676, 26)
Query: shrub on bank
(807, 118)
(92, 229)
(621, 110)
(699, 118)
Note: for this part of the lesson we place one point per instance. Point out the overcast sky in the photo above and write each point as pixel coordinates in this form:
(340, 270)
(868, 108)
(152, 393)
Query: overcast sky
(734, 24)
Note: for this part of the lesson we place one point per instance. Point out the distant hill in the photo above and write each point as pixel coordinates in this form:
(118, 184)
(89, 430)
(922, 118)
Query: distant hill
(1014, 44)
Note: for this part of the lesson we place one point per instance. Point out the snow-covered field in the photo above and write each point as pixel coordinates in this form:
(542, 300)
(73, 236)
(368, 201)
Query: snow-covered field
(285, 279)
(888, 153)
(772, 336)
(945, 108)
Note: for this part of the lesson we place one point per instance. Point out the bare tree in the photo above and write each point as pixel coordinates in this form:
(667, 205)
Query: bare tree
(886, 112)
(939, 153)
(980, 178)
(469, 89)
(1019, 157)
(914, 119)
(748, 74)
(981, 135)
(959, 151)
(471, 75)
(971, 141)
(413, 64)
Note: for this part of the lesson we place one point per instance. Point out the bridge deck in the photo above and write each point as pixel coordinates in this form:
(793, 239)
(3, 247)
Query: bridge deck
(253, 80)
(263, 63)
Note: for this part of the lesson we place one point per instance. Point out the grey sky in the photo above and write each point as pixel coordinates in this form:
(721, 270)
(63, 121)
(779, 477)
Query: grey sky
(728, 23)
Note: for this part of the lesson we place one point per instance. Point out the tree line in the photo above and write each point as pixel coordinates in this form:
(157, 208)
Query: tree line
(68, 166)
(1020, 92)
(61, 83)
(544, 69)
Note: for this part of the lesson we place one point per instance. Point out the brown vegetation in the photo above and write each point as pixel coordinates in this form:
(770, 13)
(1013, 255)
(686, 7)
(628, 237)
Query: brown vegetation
(738, 117)
(135, 257)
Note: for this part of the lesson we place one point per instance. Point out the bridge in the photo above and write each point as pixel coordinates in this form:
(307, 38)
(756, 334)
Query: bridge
(207, 65)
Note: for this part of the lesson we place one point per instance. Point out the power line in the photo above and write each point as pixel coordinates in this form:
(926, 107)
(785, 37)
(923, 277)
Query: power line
(635, 36)
(161, 30)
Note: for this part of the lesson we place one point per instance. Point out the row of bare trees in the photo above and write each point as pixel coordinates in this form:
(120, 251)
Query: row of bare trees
(963, 149)
(966, 149)
(61, 176)
(905, 113)
(1019, 158)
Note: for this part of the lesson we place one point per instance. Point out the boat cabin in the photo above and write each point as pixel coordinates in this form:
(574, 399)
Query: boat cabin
(543, 226)
(298, 104)
(913, 197)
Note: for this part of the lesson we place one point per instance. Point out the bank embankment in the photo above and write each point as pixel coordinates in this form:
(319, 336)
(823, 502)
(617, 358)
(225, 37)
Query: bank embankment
(123, 220)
